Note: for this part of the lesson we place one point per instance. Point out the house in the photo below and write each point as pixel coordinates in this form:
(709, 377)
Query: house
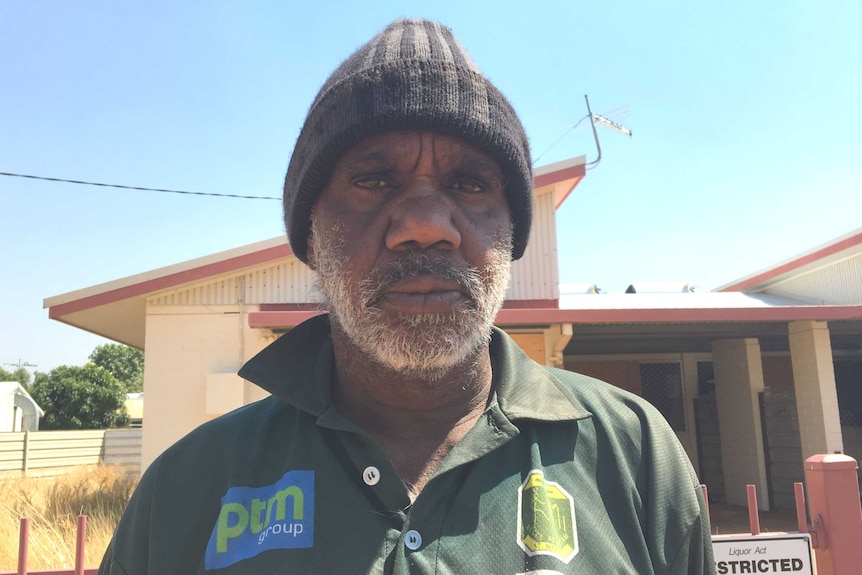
(18, 411)
(754, 377)
(745, 375)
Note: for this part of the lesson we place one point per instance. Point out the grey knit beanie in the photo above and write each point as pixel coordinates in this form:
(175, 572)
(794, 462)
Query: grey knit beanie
(414, 75)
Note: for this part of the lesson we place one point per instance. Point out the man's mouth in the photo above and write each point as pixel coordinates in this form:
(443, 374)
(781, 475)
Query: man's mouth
(422, 294)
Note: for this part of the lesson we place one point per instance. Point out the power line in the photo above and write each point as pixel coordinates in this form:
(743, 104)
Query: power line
(143, 189)
(566, 133)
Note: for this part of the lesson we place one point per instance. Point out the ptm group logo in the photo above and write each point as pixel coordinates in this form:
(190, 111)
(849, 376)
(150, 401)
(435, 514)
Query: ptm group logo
(546, 519)
(256, 519)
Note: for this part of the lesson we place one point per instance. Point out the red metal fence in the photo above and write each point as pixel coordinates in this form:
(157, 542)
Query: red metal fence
(80, 544)
(834, 505)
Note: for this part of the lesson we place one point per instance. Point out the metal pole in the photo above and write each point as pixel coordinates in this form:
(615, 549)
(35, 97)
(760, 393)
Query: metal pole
(595, 133)
(80, 544)
(705, 501)
(753, 515)
(23, 545)
(801, 514)
(25, 463)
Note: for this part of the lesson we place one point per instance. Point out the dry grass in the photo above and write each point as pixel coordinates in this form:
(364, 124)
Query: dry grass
(53, 504)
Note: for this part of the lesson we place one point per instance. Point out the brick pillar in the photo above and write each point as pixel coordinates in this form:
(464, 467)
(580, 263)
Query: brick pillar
(814, 382)
(738, 380)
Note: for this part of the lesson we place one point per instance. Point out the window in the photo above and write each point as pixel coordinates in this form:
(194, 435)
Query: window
(661, 385)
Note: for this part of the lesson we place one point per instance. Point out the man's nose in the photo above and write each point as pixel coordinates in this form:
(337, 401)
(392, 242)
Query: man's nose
(422, 217)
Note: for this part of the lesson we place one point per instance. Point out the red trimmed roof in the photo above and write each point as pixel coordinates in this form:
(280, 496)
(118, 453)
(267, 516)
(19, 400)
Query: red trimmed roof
(796, 264)
(167, 281)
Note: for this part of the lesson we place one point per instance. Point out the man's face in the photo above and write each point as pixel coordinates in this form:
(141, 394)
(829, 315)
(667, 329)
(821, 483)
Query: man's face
(411, 239)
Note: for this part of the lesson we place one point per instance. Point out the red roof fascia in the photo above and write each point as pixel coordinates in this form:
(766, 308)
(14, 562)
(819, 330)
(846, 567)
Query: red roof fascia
(559, 176)
(827, 251)
(170, 280)
(677, 315)
(280, 319)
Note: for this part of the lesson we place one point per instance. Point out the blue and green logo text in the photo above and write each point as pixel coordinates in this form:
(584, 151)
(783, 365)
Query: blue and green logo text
(256, 519)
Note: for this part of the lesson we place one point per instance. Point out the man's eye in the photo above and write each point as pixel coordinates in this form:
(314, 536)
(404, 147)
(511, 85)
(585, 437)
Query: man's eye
(371, 182)
(468, 186)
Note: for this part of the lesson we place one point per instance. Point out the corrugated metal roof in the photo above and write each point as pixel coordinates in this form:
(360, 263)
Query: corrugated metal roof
(823, 255)
(706, 300)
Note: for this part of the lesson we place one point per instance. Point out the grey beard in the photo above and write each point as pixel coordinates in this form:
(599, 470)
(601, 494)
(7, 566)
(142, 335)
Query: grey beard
(427, 345)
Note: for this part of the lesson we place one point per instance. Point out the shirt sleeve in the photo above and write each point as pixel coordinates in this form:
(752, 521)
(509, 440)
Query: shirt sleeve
(695, 555)
(108, 565)
(131, 541)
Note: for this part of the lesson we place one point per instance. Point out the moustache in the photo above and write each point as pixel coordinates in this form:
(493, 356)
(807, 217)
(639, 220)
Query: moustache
(374, 287)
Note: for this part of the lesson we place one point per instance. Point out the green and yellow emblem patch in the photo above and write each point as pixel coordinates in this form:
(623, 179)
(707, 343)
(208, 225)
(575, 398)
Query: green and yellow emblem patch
(546, 519)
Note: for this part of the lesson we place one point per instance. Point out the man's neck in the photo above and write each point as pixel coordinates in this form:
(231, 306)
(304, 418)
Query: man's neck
(404, 404)
(416, 419)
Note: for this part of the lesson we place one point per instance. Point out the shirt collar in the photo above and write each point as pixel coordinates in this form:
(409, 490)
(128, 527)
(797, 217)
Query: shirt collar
(528, 390)
(298, 368)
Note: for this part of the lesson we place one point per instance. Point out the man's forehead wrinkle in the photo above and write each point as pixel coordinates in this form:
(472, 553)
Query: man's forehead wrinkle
(485, 165)
(465, 157)
(374, 159)
(406, 156)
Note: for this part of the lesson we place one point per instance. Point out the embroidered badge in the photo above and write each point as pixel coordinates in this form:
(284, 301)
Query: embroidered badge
(256, 519)
(546, 519)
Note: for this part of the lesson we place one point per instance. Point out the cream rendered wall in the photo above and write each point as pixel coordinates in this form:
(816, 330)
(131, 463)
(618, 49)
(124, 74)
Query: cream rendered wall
(184, 345)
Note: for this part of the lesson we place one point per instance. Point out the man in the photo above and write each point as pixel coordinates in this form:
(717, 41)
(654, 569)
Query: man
(405, 434)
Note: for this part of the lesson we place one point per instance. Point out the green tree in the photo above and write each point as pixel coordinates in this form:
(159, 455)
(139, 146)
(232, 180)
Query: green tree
(87, 397)
(125, 363)
(21, 375)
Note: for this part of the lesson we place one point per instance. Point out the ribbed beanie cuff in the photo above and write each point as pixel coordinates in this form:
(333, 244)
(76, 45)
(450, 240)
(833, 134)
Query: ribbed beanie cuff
(414, 75)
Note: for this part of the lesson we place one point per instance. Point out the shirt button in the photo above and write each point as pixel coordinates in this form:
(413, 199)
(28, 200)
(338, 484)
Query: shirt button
(413, 540)
(371, 475)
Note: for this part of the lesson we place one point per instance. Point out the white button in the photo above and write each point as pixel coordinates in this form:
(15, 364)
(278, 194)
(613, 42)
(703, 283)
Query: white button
(413, 540)
(371, 475)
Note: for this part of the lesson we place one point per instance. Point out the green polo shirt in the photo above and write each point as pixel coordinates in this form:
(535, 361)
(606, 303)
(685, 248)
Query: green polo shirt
(562, 474)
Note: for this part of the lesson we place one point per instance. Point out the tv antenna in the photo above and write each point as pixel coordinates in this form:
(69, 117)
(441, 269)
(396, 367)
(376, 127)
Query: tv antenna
(21, 364)
(602, 120)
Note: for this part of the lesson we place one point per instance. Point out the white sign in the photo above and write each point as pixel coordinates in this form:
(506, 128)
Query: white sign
(769, 553)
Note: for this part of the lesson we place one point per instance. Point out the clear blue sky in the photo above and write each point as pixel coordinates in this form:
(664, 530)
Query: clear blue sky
(746, 119)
